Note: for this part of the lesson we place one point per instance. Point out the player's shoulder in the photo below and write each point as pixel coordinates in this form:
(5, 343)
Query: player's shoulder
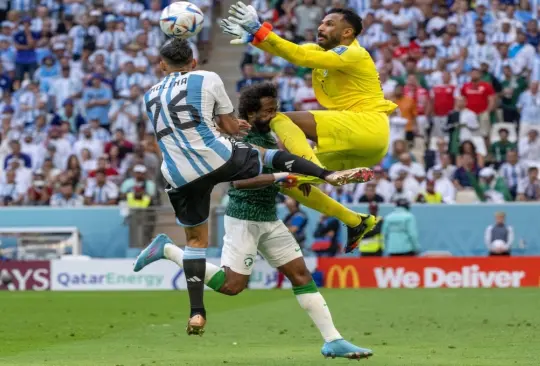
(351, 52)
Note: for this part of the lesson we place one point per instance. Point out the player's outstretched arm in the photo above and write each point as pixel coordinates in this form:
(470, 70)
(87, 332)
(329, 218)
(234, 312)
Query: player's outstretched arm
(264, 180)
(245, 17)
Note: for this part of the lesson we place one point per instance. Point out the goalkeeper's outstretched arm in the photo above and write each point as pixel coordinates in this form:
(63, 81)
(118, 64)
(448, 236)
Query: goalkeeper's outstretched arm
(308, 55)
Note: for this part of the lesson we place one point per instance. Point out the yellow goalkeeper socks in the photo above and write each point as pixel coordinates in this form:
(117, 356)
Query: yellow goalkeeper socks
(293, 138)
(321, 202)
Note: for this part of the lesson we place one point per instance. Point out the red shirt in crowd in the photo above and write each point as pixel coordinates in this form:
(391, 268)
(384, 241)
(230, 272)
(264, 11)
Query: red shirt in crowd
(109, 172)
(420, 97)
(443, 99)
(477, 95)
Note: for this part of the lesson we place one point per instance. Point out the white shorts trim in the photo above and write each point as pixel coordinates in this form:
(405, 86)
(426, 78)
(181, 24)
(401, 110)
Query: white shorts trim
(244, 238)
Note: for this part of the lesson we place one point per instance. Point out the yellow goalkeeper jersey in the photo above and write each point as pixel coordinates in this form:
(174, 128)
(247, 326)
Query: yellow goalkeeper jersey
(344, 78)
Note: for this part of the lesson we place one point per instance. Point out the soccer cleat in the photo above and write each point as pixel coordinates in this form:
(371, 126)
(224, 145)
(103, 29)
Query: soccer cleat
(343, 349)
(356, 175)
(196, 325)
(355, 234)
(155, 251)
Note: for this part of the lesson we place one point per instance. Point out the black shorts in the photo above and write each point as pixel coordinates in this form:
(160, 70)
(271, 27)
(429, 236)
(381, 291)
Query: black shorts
(191, 202)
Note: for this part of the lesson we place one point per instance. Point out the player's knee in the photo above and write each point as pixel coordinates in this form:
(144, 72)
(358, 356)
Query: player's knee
(233, 288)
(234, 283)
(301, 277)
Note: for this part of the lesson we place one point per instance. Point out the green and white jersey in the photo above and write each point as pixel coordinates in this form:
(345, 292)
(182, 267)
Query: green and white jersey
(255, 204)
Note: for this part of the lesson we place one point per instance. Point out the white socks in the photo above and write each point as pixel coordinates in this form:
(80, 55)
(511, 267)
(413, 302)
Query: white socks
(315, 306)
(175, 254)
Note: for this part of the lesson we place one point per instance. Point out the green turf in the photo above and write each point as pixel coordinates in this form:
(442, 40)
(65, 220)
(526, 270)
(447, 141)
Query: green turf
(404, 327)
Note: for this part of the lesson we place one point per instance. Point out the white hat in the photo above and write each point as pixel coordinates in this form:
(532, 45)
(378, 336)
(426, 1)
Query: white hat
(487, 172)
(124, 93)
(139, 168)
(418, 171)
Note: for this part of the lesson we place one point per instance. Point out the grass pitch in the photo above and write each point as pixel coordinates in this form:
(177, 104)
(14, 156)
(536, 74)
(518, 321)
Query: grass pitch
(404, 327)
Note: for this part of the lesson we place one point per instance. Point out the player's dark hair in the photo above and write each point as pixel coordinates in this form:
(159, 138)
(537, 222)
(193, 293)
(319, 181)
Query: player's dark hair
(250, 97)
(176, 52)
(350, 17)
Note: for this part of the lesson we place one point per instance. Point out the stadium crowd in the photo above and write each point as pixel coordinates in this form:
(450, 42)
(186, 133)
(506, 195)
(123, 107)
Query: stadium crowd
(74, 131)
(465, 77)
(73, 127)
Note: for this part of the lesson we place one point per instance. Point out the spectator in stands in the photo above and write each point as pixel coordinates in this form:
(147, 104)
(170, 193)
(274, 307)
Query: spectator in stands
(480, 97)
(405, 164)
(66, 197)
(491, 188)
(400, 231)
(529, 109)
(429, 194)
(462, 124)
(370, 195)
(499, 149)
(396, 149)
(97, 99)
(23, 175)
(407, 109)
(399, 192)
(326, 237)
(466, 173)
(467, 147)
(443, 184)
(512, 171)
(88, 142)
(443, 96)
(25, 41)
(11, 193)
(16, 153)
(139, 179)
(248, 71)
(138, 198)
(422, 101)
(398, 125)
(529, 147)
(39, 192)
(296, 220)
(102, 192)
(499, 237)
(288, 84)
(268, 69)
(341, 195)
(308, 16)
(99, 133)
(121, 143)
(529, 188)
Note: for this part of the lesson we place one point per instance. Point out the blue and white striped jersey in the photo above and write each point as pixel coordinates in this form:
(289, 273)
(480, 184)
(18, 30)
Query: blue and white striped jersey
(182, 107)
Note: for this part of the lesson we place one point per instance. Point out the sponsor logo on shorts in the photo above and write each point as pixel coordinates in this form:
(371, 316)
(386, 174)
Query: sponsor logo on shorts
(248, 262)
(297, 249)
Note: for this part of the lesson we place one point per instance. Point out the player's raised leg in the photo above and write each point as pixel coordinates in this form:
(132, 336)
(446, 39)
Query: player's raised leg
(293, 133)
(358, 224)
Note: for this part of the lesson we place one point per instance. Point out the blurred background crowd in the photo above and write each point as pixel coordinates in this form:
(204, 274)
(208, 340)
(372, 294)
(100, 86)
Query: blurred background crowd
(73, 129)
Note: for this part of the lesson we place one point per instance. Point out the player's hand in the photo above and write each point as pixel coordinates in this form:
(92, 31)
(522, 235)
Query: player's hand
(240, 35)
(305, 188)
(286, 180)
(245, 16)
(244, 127)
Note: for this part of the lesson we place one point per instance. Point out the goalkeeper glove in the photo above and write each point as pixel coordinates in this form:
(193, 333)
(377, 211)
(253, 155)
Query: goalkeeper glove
(245, 16)
(239, 34)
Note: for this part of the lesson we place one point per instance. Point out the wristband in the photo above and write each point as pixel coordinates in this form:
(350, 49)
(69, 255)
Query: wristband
(280, 176)
(262, 33)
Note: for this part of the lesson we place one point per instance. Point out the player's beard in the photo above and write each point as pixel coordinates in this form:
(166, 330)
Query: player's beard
(262, 126)
(328, 41)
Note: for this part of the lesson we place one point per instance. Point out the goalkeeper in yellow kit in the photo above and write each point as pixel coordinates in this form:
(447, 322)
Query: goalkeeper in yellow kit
(354, 130)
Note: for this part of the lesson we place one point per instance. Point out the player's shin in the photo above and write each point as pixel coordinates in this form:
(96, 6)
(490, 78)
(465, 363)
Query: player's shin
(214, 276)
(311, 300)
(194, 264)
(287, 162)
(293, 137)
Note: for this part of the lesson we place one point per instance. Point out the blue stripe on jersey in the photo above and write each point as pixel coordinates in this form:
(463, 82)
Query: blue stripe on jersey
(169, 162)
(194, 98)
(168, 99)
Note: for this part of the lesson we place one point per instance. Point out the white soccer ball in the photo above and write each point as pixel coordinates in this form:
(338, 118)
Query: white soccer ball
(181, 20)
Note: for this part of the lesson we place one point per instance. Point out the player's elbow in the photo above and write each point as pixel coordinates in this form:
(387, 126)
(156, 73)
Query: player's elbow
(229, 124)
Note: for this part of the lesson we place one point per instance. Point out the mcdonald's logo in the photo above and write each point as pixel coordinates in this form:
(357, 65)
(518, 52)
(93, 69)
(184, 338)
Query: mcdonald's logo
(342, 275)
